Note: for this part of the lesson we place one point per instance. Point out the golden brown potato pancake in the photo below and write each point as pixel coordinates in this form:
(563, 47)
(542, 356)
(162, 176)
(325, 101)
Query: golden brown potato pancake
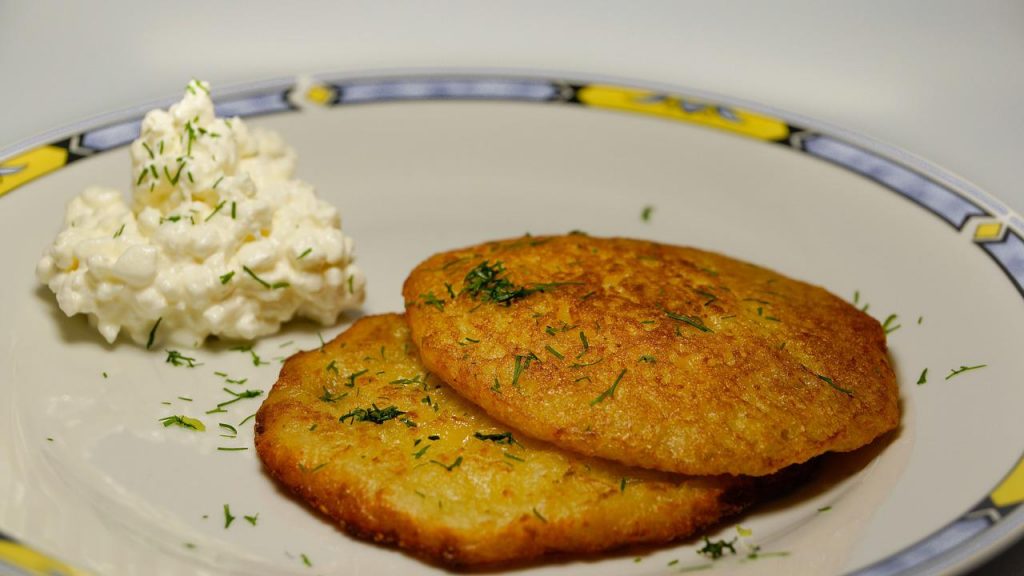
(653, 355)
(362, 432)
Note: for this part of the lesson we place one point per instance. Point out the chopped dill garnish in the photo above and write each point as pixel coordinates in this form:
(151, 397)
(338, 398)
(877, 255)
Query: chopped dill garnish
(175, 358)
(517, 370)
(449, 467)
(831, 383)
(228, 518)
(582, 378)
(539, 515)
(305, 560)
(645, 214)
(708, 271)
(711, 297)
(513, 457)
(502, 438)
(587, 295)
(238, 396)
(923, 378)
(142, 176)
(585, 342)
(305, 253)
(229, 428)
(488, 283)
(496, 388)
(555, 353)
(585, 364)
(328, 397)
(824, 509)
(262, 282)
(184, 398)
(152, 333)
(119, 231)
(256, 360)
(225, 278)
(920, 319)
(431, 300)
(716, 550)
(332, 367)
(648, 359)
(372, 414)
(694, 321)
(451, 292)
(417, 379)
(217, 183)
(215, 210)
(233, 206)
(252, 519)
(149, 151)
(622, 484)
(963, 369)
(888, 326)
(756, 553)
(177, 175)
(351, 383)
(232, 448)
(184, 422)
(421, 451)
(247, 418)
(610, 392)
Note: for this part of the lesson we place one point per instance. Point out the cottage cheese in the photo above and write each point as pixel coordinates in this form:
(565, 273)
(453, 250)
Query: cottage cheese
(220, 238)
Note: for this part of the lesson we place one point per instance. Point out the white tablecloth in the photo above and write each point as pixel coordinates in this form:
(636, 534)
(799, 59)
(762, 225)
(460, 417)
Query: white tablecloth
(941, 79)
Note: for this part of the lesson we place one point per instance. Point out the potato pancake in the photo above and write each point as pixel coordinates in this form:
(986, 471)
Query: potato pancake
(361, 431)
(653, 355)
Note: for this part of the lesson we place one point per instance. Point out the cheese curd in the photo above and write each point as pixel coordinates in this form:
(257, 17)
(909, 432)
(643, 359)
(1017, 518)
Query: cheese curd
(219, 239)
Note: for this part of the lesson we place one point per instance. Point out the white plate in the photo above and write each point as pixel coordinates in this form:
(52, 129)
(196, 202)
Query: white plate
(425, 162)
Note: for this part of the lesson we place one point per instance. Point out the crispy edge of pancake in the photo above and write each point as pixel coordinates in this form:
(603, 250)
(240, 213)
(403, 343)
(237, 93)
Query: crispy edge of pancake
(796, 413)
(373, 517)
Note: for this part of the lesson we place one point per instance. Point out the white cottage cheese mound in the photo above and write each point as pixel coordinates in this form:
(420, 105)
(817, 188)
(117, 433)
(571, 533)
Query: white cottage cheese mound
(220, 238)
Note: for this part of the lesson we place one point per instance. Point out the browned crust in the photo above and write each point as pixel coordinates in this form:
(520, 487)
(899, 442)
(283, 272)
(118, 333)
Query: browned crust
(368, 469)
(750, 396)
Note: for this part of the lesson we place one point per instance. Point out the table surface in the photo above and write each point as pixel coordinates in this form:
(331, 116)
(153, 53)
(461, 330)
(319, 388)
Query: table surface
(941, 79)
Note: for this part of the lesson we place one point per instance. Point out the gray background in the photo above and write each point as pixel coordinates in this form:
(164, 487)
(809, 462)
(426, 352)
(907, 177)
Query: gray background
(941, 79)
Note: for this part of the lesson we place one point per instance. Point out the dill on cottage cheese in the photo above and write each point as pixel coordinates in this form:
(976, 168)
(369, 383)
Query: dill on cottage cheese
(219, 239)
